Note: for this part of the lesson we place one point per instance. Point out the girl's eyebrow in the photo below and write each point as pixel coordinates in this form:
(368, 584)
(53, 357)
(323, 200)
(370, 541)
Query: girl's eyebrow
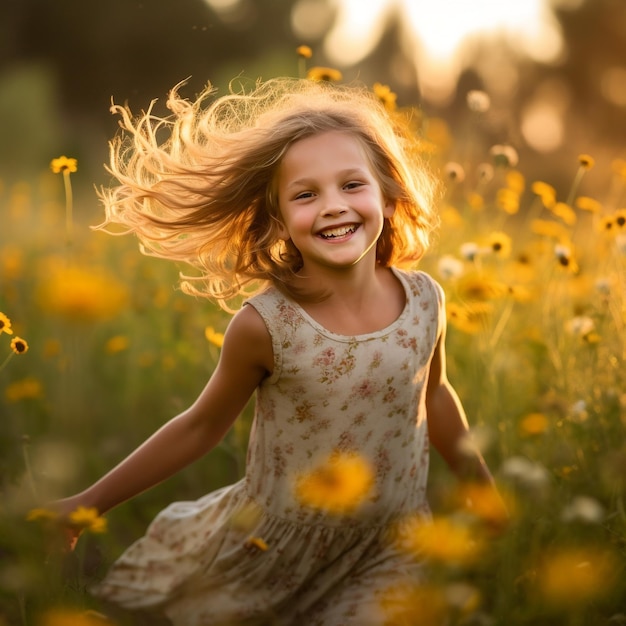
(353, 171)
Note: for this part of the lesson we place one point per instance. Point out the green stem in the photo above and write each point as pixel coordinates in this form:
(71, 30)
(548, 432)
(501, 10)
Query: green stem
(572, 192)
(69, 219)
(4, 363)
(29, 470)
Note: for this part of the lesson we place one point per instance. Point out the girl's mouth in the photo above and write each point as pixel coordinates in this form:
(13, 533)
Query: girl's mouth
(339, 231)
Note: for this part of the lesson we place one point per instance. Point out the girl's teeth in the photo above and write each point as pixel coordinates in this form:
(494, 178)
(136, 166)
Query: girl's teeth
(338, 232)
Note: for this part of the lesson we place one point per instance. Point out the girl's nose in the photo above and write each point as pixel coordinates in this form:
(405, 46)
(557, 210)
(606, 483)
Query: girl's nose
(334, 206)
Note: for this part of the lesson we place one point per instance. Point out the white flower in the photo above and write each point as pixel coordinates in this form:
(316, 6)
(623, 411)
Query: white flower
(578, 412)
(520, 470)
(469, 250)
(603, 285)
(580, 325)
(583, 509)
(450, 267)
(478, 101)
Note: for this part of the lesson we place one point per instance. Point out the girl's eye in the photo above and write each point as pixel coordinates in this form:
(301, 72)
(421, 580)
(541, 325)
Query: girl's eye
(304, 195)
(353, 185)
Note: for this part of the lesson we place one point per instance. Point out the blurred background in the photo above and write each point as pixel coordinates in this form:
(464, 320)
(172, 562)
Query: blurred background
(555, 69)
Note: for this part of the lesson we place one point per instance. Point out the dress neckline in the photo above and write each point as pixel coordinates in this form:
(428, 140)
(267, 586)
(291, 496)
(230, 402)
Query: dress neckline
(363, 336)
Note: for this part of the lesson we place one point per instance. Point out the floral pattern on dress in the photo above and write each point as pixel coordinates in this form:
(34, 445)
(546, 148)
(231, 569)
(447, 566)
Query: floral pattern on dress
(328, 393)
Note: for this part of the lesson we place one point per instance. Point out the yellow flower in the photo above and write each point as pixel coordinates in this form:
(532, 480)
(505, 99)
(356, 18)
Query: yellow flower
(549, 228)
(217, 339)
(82, 294)
(19, 345)
(485, 502)
(478, 287)
(469, 318)
(475, 201)
(588, 204)
(89, 519)
(575, 576)
(585, 161)
(41, 515)
(565, 212)
(508, 200)
(62, 164)
(5, 324)
(534, 424)
(515, 181)
(619, 217)
(337, 486)
(25, 389)
(304, 51)
(565, 258)
(386, 96)
(409, 603)
(258, 543)
(499, 243)
(546, 192)
(115, 344)
(327, 74)
(442, 539)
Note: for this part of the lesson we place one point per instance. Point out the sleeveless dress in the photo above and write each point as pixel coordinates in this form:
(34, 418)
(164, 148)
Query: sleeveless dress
(364, 394)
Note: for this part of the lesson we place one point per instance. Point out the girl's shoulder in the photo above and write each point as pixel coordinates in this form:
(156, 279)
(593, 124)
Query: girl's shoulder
(421, 284)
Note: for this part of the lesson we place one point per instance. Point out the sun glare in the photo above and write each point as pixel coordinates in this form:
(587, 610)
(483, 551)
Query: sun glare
(441, 37)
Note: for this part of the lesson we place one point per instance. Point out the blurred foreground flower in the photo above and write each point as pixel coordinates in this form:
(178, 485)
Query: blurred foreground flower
(217, 339)
(88, 518)
(413, 603)
(445, 540)
(81, 294)
(385, 95)
(571, 577)
(583, 509)
(337, 486)
(24, 389)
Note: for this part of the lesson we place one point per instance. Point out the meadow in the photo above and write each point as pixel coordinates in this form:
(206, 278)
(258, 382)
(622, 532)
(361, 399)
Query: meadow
(98, 348)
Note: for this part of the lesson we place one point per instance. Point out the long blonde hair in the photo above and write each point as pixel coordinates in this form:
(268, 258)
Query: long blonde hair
(205, 192)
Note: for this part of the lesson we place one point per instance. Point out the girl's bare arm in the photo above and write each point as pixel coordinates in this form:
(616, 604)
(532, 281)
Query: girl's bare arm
(246, 358)
(447, 424)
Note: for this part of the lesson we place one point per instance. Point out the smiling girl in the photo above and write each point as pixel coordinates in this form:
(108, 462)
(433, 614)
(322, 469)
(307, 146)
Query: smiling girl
(308, 199)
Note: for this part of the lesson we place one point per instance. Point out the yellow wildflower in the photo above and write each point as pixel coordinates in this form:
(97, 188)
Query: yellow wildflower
(442, 539)
(619, 217)
(258, 543)
(499, 243)
(337, 486)
(575, 576)
(546, 192)
(115, 344)
(19, 345)
(89, 519)
(479, 287)
(508, 200)
(565, 258)
(386, 96)
(549, 228)
(607, 224)
(469, 318)
(585, 161)
(304, 51)
(475, 201)
(62, 164)
(515, 181)
(485, 502)
(407, 604)
(24, 389)
(565, 212)
(534, 424)
(217, 339)
(327, 74)
(41, 515)
(586, 203)
(5, 324)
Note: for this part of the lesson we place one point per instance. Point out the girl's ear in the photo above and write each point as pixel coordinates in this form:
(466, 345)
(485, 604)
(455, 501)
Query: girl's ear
(389, 209)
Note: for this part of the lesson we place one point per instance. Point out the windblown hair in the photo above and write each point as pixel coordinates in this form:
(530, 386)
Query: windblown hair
(205, 193)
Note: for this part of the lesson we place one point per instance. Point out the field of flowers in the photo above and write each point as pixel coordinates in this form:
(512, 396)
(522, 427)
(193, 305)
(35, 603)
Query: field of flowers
(98, 349)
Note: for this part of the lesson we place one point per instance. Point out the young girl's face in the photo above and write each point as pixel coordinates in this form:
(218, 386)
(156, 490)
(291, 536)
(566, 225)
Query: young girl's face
(330, 201)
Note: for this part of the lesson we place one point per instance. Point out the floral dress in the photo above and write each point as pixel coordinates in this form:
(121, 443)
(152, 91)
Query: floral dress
(252, 552)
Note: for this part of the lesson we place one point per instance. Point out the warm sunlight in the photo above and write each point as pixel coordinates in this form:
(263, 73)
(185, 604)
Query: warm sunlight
(440, 37)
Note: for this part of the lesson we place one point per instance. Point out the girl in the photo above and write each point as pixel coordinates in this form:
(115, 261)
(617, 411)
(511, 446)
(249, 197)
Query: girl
(306, 198)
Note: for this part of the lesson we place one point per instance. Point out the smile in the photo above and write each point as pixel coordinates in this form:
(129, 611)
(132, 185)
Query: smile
(340, 231)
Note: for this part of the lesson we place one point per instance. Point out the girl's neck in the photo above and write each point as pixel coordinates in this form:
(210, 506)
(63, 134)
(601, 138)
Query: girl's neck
(356, 302)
